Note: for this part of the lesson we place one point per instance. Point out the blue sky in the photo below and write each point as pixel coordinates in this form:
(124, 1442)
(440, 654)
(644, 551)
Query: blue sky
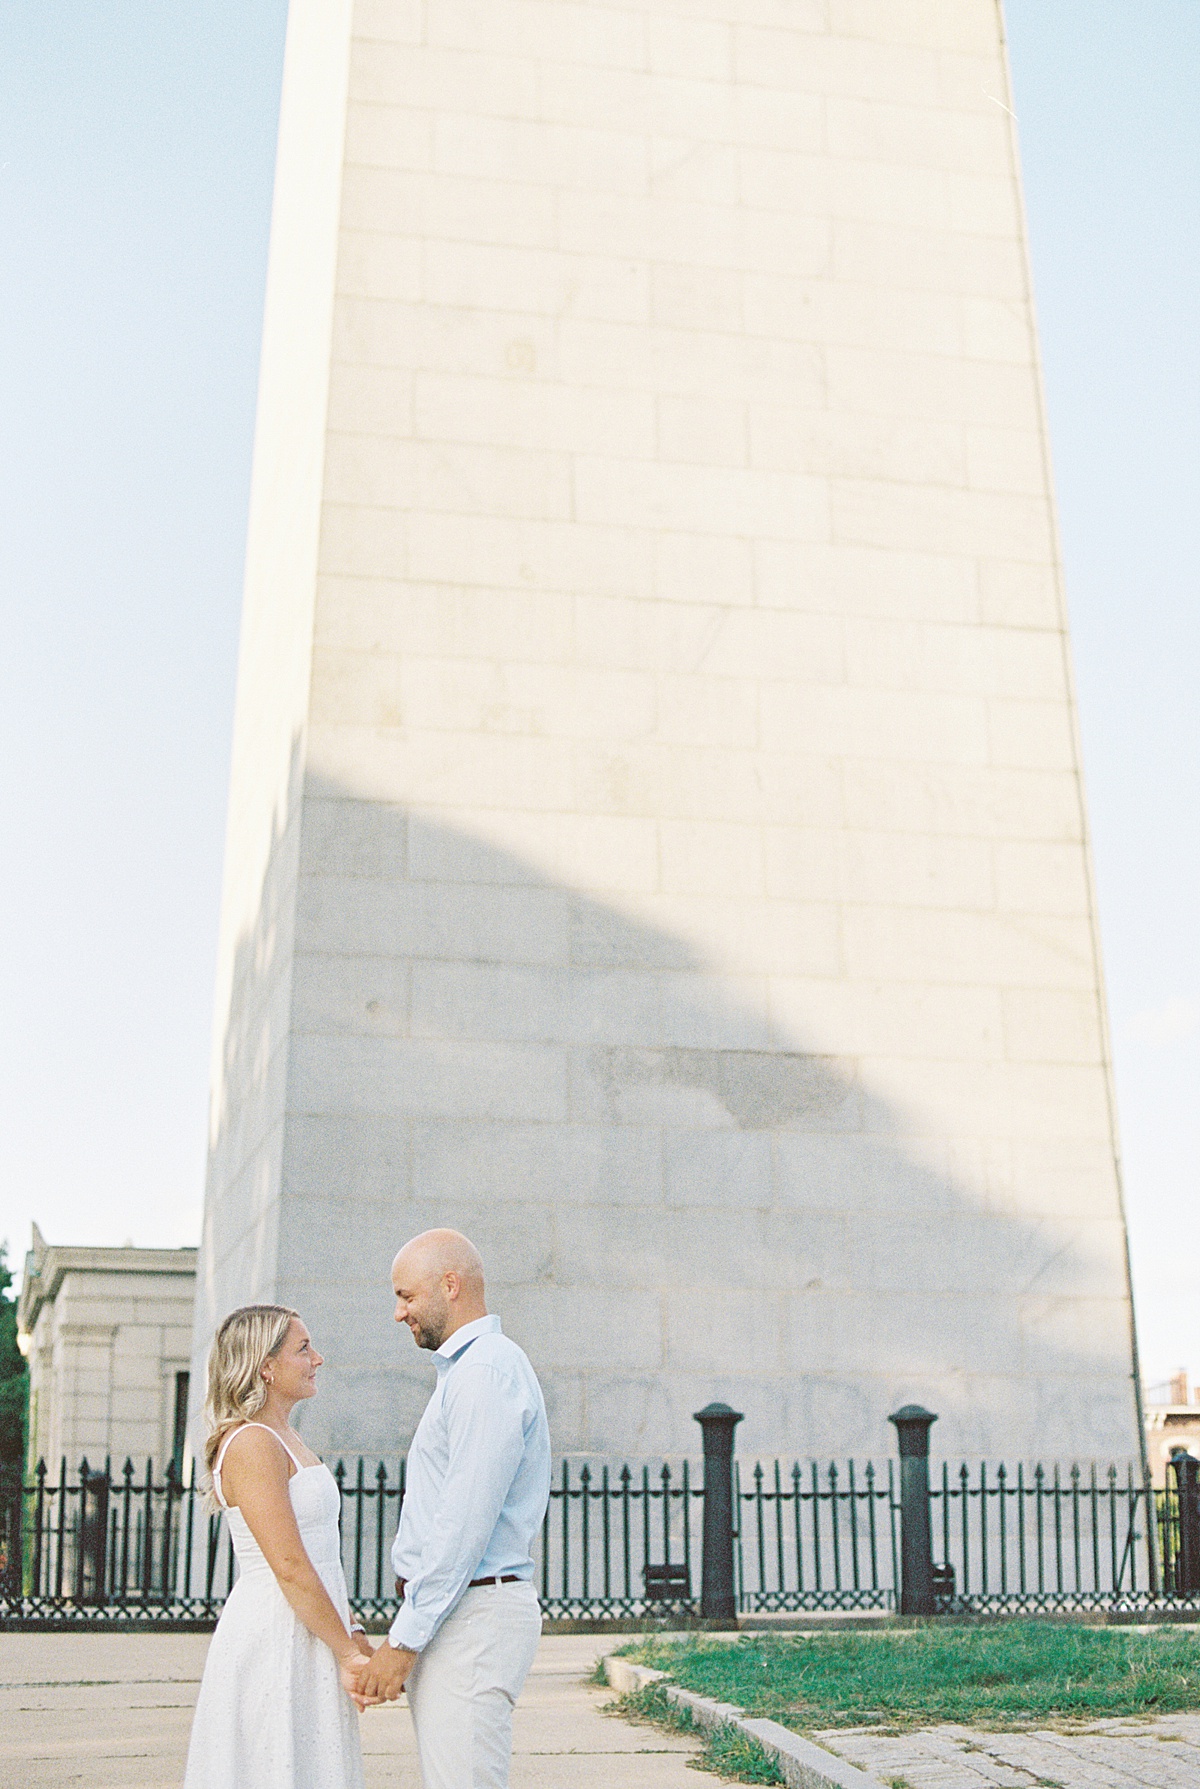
(136, 146)
(1110, 140)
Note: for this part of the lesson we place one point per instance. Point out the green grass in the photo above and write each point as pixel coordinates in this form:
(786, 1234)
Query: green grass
(1005, 1675)
(724, 1751)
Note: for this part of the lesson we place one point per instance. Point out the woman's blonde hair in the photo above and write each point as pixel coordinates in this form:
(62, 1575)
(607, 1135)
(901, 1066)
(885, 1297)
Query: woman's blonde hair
(237, 1390)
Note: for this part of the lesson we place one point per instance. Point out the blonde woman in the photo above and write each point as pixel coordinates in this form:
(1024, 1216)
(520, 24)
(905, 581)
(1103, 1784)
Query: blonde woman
(274, 1710)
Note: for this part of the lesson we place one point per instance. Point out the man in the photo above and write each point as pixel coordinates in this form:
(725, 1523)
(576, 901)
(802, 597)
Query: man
(477, 1489)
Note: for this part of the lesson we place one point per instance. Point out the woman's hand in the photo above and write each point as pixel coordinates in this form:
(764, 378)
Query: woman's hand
(351, 1665)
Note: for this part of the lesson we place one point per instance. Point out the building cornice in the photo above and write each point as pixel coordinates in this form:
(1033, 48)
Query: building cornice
(46, 1267)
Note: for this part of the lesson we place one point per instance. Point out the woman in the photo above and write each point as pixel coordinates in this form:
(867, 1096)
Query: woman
(274, 1710)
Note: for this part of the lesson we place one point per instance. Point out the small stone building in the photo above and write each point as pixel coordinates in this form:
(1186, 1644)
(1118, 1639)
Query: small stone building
(107, 1333)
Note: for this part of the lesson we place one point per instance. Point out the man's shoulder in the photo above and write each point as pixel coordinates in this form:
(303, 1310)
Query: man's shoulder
(500, 1353)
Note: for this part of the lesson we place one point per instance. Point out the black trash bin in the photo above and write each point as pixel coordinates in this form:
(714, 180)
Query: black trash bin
(943, 1588)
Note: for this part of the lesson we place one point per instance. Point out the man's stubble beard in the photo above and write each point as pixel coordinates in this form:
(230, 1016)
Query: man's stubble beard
(431, 1335)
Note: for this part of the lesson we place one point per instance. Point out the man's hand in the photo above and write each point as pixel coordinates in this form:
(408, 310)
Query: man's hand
(383, 1678)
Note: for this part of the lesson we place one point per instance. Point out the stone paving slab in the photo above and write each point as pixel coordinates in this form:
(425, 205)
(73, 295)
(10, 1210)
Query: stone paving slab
(113, 1711)
(1158, 1754)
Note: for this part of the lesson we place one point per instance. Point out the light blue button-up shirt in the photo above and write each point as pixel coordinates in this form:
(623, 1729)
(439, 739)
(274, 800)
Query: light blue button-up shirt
(478, 1479)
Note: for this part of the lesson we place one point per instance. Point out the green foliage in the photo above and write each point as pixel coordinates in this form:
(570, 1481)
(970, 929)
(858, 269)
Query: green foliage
(725, 1752)
(992, 1676)
(14, 1379)
(733, 1755)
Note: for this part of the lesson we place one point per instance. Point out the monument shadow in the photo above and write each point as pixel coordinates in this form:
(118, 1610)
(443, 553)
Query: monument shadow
(677, 1199)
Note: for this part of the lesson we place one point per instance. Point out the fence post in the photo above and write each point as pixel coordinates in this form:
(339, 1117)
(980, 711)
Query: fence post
(92, 1536)
(12, 1521)
(916, 1540)
(1187, 1564)
(717, 1599)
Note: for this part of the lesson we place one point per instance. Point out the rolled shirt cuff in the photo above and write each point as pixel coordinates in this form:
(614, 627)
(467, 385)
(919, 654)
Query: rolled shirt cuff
(408, 1630)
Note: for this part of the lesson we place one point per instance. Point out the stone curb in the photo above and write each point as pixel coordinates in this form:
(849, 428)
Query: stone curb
(804, 1765)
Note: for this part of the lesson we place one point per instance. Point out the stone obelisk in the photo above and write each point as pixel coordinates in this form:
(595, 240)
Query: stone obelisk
(657, 843)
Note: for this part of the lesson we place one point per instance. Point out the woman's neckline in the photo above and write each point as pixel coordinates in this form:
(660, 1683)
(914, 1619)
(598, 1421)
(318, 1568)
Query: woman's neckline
(317, 1466)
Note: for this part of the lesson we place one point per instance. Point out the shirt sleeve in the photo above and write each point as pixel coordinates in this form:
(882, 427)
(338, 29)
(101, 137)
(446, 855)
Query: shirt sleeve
(484, 1414)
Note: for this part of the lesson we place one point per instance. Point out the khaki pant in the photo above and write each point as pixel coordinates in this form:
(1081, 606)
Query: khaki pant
(464, 1686)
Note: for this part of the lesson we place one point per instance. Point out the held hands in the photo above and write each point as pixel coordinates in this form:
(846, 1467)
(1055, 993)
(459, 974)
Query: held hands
(382, 1678)
(371, 1677)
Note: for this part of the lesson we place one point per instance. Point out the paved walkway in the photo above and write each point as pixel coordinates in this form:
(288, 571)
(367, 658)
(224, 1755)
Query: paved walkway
(113, 1711)
(1160, 1754)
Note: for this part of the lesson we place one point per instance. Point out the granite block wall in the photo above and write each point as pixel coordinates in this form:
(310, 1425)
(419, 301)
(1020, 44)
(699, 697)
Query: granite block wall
(657, 836)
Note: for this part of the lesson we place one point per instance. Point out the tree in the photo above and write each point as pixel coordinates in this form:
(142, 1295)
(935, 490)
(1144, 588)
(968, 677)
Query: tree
(14, 1379)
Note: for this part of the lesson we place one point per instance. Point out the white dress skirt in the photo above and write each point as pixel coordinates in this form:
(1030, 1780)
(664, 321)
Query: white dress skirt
(272, 1713)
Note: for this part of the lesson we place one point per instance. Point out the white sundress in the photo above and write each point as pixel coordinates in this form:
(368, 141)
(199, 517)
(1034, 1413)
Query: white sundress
(271, 1713)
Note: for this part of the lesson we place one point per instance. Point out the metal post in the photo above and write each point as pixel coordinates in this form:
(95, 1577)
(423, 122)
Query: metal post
(916, 1541)
(717, 1599)
(1187, 1564)
(12, 1518)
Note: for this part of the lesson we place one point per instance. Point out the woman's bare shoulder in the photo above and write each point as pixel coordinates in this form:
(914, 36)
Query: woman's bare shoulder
(257, 1451)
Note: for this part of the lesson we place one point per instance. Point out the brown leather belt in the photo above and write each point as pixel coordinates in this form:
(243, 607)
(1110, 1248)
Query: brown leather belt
(475, 1584)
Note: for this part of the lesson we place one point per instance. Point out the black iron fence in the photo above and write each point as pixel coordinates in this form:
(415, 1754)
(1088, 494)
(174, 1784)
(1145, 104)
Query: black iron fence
(1044, 1538)
(621, 1541)
(125, 1545)
(136, 1545)
(813, 1537)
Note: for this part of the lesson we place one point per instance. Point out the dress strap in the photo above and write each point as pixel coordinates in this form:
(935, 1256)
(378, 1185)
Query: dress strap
(224, 1448)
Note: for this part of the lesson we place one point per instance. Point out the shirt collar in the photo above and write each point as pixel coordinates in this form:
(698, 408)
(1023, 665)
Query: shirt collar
(453, 1346)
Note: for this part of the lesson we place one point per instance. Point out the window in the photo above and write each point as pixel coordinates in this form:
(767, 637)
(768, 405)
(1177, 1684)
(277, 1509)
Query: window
(180, 1430)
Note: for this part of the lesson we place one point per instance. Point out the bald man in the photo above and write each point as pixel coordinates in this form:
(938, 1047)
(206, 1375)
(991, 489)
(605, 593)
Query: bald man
(477, 1488)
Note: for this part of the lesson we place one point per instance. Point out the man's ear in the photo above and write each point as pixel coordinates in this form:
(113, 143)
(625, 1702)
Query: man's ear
(453, 1284)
